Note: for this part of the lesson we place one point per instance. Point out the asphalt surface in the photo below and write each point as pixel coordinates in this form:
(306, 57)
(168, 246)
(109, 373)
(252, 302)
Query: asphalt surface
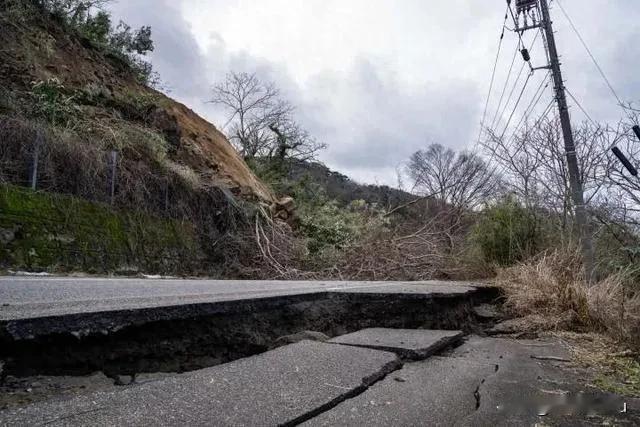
(283, 386)
(436, 392)
(31, 297)
(412, 344)
(485, 382)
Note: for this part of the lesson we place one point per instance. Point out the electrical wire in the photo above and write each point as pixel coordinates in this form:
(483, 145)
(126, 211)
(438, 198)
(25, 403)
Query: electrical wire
(584, 111)
(515, 85)
(515, 107)
(595, 62)
(506, 84)
(533, 104)
(493, 76)
(545, 112)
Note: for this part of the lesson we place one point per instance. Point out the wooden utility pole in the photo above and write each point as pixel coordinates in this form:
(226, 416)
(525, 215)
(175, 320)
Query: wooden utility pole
(575, 182)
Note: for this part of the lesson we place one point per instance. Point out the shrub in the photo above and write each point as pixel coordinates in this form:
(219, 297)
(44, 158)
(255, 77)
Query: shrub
(329, 226)
(507, 233)
(97, 27)
(88, 19)
(51, 101)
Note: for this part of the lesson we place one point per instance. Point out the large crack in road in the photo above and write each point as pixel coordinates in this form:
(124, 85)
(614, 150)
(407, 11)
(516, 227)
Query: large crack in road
(190, 337)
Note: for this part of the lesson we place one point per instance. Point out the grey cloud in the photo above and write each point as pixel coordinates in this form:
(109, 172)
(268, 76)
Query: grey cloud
(369, 119)
(177, 57)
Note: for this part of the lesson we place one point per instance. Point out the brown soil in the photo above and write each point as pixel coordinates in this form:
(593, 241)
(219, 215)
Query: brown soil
(41, 50)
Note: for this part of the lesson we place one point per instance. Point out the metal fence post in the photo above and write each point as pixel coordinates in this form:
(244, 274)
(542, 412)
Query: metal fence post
(166, 195)
(33, 173)
(114, 165)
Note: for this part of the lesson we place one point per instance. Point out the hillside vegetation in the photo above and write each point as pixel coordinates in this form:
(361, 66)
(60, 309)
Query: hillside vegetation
(71, 94)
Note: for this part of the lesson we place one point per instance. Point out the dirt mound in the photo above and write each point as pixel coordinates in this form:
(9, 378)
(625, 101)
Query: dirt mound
(204, 148)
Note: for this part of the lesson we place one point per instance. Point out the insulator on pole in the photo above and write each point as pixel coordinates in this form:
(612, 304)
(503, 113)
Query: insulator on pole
(636, 129)
(525, 55)
(525, 5)
(623, 159)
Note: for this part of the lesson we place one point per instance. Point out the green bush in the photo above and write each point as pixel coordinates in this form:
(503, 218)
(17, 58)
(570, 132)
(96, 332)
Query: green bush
(507, 233)
(96, 27)
(329, 226)
(52, 102)
(90, 20)
(325, 223)
(617, 248)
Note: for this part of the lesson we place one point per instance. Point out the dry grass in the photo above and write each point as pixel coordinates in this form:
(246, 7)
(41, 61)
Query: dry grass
(610, 365)
(436, 248)
(552, 287)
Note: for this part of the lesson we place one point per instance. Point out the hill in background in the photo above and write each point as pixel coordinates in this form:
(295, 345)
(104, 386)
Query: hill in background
(342, 188)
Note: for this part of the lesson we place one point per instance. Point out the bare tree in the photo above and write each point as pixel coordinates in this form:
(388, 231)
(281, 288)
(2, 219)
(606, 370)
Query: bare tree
(533, 163)
(461, 180)
(260, 121)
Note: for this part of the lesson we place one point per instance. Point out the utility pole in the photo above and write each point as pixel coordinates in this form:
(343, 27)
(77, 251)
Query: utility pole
(577, 192)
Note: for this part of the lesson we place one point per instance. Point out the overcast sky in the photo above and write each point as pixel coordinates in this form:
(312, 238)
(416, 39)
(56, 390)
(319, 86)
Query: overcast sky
(378, 79)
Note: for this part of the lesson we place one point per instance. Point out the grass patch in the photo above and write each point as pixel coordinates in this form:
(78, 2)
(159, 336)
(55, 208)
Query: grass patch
(622, 377)
(55, 233)
(614, 368)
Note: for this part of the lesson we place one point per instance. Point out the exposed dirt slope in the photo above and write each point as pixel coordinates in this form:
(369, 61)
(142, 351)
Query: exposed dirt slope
(206, 149)
(104, 89)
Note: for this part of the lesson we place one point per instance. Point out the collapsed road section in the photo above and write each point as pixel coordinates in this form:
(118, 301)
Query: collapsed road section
(286, 386)
(400, 354)
(67, 326)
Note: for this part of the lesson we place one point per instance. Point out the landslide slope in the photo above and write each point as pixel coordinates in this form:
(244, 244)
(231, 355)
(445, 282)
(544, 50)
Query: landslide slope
(85, 102)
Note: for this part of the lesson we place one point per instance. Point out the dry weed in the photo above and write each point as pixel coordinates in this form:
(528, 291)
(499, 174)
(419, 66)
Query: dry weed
(611, 365)
(615, 308)
(552, 287)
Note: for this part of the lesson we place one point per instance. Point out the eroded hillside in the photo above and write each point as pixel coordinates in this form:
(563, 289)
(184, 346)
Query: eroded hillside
(53, 78)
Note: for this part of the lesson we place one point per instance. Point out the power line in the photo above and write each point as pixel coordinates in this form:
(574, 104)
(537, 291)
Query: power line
(493, 76)
(595, 62)
(534, 103)
(515, 85)
(506, 84)
(526, 82)
(584, 111)
(545, 113)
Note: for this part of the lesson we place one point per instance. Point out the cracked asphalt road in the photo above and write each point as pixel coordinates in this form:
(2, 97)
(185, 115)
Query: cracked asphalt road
(484, 382)
(283, 386)
(29, 297)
